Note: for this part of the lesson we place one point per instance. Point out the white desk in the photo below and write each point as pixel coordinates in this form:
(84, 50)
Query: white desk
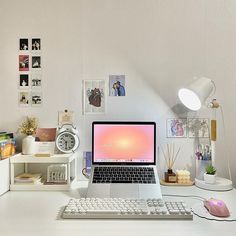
(34, 213)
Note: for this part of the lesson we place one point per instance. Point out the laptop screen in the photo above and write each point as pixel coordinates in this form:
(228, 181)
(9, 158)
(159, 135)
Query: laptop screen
(124, 142)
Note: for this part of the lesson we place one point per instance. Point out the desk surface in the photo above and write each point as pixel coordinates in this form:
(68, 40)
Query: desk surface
(35, 213)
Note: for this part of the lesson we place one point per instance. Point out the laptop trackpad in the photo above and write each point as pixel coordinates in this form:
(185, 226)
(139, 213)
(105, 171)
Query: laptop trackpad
(124, 190)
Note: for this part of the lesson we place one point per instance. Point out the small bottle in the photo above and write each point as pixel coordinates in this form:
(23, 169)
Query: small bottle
(170, 176)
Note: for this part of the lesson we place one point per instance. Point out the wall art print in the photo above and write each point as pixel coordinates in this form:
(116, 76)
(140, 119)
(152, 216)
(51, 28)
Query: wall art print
(94, 96)
(198, 127)
(176, 128)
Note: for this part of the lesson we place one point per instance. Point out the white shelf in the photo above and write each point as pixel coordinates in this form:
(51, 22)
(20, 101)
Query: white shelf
(58, 158)
(25, 161)
(42, 187)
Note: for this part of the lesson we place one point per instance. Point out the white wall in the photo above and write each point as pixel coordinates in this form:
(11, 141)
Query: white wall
(158, 44)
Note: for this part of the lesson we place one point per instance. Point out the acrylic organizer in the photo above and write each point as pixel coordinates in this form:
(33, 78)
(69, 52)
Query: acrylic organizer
(201, 168)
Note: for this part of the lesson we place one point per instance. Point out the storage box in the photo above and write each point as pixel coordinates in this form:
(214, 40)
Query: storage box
(4, 175)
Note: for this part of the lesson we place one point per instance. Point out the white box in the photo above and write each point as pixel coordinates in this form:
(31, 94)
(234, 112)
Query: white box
(4, 175)
(45, 148)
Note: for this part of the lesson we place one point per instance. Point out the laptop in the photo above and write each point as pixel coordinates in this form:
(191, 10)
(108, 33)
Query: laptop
(124, 160)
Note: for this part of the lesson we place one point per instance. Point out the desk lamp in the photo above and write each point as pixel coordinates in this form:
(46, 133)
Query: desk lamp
(193, 97)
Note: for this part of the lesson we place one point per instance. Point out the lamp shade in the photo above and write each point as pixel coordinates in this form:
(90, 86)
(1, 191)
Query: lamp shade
(194, 95)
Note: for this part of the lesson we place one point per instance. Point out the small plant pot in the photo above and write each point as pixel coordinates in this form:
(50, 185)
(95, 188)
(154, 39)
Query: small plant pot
(209, 179)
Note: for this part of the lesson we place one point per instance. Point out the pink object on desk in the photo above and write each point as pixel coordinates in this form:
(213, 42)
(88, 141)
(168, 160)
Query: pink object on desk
(217, 207)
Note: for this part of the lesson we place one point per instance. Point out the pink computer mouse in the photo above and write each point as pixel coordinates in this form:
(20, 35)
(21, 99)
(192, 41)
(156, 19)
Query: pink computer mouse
(216, 207)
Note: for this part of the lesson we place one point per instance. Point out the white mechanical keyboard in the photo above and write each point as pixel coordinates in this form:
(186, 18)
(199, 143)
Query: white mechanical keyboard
(120, 208)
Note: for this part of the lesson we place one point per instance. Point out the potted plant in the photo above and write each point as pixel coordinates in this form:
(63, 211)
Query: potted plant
(210, 175)
(28, 127)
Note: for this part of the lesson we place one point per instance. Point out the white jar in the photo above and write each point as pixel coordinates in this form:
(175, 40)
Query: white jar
(28, 145)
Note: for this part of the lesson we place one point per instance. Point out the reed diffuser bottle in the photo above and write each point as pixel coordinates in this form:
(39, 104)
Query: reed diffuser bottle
(170, 158)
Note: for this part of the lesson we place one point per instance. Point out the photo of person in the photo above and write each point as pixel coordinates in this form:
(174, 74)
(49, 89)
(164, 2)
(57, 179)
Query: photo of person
(24, 81)
(36, 62)
(36, 99)
(24, 98)
(24, 46)
(36, 44)
(117, 85)
(36, 81)
(23, 62)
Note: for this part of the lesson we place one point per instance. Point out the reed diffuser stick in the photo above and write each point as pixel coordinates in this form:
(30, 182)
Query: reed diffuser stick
(170, 155)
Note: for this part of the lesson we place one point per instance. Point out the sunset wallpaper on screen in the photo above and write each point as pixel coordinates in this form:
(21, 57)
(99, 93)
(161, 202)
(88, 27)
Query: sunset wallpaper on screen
(133, 143)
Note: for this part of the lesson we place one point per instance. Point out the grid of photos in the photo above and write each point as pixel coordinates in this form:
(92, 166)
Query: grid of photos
(191, 127)
(30, 73)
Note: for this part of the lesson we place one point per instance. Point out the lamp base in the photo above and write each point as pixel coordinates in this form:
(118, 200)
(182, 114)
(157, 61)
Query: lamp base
(221, 184)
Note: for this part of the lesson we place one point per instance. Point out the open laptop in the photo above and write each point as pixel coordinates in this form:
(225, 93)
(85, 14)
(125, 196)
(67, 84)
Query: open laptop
(123, 160)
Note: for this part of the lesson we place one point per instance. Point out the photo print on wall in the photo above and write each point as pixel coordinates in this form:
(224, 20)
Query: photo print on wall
(23, 62)
(176, 128)
(94, 96)
(24, 81)
(36, 62)
(198, 127)
(24, 98)
(36, 99)
(116, 85)
(24, 44)
(36, 81)
(36, 44)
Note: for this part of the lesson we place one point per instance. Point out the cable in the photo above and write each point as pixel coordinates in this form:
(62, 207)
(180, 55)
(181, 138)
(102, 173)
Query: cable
(84, 173)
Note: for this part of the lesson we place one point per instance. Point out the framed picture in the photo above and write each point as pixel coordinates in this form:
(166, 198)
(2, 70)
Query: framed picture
(24, 98)
(23, 44)
(24, 81)
(36, 99)
(36, 62)
(94, 96)
(176, 128)
(116, 85)
(23, 62)
(36, 80)
(198, 127)
(36, 44)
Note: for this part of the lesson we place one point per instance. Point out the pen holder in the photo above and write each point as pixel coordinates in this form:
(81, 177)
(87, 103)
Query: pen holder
(201, 168)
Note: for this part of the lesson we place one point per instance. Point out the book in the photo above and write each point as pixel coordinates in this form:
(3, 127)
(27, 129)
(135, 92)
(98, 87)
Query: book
(7, 148)
(28, 178)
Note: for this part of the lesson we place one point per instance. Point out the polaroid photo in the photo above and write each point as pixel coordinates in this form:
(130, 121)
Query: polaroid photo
(94, 97)
(36, 62)
(36, 80)
(24, 98)
(23, 62)
(36, 99)
(198, 128)
(36, 45)
(23, 44)
(24, 81)
(116, 85)
(176, 128)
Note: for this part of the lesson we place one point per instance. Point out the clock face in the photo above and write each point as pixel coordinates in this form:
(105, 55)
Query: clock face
(67, 142)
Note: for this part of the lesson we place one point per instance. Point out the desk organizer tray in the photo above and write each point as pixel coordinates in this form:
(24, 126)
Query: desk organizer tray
(162, 182)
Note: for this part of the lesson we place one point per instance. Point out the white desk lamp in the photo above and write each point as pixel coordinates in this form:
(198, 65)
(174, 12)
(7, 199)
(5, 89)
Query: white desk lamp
(193, 96)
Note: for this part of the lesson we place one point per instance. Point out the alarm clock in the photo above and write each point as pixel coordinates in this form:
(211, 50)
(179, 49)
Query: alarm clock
(67, 140)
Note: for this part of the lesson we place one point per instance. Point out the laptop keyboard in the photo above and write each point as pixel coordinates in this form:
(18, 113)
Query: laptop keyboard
(143, 175)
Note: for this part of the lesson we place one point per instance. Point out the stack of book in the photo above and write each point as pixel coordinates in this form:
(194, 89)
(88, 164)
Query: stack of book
(7, 145)
(28, 178)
